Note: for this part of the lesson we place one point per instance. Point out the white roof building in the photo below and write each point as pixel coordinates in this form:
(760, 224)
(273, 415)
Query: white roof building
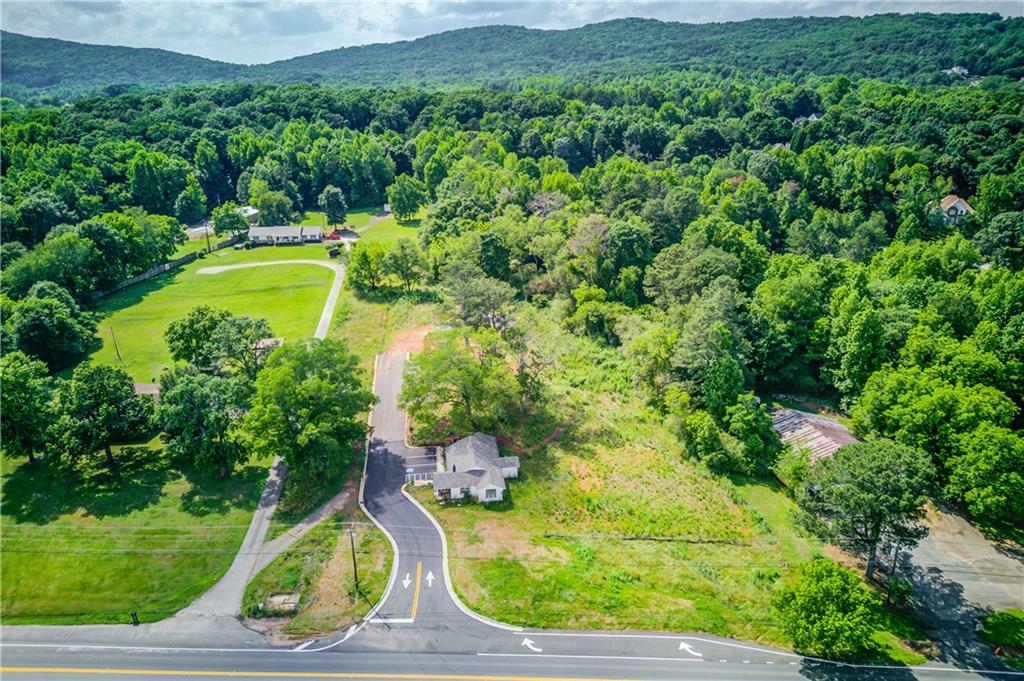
(285, 234)
(474, 469)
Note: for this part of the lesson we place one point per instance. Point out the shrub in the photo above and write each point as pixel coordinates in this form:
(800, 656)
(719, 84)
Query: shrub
(828, 611)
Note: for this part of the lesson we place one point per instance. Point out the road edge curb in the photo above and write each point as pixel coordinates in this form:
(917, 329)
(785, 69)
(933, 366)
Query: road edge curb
(447, 577)
(366, 511)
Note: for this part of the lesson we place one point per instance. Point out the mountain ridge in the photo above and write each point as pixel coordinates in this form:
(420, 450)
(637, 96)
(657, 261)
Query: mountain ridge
(910, 47)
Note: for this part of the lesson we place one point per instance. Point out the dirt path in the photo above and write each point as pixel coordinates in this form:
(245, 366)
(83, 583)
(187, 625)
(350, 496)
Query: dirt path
(373, 221)
(224, 599)
(281, 543)
(217, 269)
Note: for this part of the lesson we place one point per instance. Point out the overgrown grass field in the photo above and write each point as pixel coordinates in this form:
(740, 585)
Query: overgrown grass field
(290, 297)
(610, 526)
(370, 327)
(93, 547)
(319, 568)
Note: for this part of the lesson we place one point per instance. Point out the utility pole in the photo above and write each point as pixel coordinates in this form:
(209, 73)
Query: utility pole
(352, 543)
(116, 349)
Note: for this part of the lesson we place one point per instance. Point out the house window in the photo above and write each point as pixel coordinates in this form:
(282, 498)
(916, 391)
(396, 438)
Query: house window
(491, 494)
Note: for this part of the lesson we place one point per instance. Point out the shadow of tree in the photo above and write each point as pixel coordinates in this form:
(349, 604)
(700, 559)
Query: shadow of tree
(209, 494)
(950, 620)
(836, 671)
(42, 493)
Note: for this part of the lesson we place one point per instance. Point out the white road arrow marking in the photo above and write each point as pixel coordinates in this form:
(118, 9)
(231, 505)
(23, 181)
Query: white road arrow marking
(529, 644)
(430, 579)
(686, 646)
(407, 581)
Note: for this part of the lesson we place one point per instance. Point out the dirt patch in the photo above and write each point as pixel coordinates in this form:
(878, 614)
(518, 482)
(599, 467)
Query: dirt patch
(272, 628)
(586, 479)
(411, 340)
(833, 552)
(283, 602)
(499, 538)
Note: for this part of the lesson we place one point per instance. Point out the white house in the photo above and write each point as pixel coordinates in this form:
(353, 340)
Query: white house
(954, 208)
(474, 469)
(286, 234)
(252, 215)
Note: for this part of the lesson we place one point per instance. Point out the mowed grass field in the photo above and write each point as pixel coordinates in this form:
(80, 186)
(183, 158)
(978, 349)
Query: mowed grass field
(290, 297)
(93, 547)
(610, 526)
(388, 229)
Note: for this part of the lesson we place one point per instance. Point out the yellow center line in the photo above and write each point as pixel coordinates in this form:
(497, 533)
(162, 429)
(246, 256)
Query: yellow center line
(416, 593)
(367, 676)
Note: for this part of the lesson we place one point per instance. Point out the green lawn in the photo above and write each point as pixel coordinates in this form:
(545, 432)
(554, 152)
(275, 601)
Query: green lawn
(319, 568)
(1004, 631)
(91, 549)
(572, 549)
(356, 217)
(291, 298)
(390, 229)
(190, 246)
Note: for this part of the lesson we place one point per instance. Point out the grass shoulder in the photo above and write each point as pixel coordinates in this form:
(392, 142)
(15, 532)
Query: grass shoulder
(91, 547)
(1004, 631)
(316, 575)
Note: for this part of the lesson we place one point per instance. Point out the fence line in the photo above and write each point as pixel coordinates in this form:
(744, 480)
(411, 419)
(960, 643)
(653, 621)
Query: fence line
(163, 267)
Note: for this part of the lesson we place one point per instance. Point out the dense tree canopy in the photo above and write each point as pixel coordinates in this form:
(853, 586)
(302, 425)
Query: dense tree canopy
(724, 234)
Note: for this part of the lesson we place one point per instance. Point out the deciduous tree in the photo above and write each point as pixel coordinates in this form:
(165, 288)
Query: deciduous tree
(28, 404)
(193, 337)
(200, 414)
(99, 408)
(406, 196)
(827, 611)
(460, 383)
(308, 408)
(870, 493)
(332, 203)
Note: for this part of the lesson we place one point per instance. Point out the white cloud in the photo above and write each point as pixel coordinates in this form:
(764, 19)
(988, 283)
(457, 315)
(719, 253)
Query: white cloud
(249, 31)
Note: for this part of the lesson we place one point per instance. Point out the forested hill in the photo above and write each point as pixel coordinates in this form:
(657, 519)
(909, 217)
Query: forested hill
(34, 65)
(915, 48)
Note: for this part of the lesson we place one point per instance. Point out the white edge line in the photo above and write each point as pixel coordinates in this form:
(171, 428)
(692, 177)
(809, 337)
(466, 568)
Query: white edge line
(447, 576)
(302, 646)
(950, 670)
(354, 629)
(391, 620)
(89, 646)
(362, 489)
(594, 657)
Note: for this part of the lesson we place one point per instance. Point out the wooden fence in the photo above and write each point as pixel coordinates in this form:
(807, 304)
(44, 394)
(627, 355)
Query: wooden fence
(163, 267)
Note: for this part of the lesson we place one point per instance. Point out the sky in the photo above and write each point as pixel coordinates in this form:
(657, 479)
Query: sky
(254, 31)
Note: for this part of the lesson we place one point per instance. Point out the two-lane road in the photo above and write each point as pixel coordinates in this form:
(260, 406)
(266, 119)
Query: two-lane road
(420, 630)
